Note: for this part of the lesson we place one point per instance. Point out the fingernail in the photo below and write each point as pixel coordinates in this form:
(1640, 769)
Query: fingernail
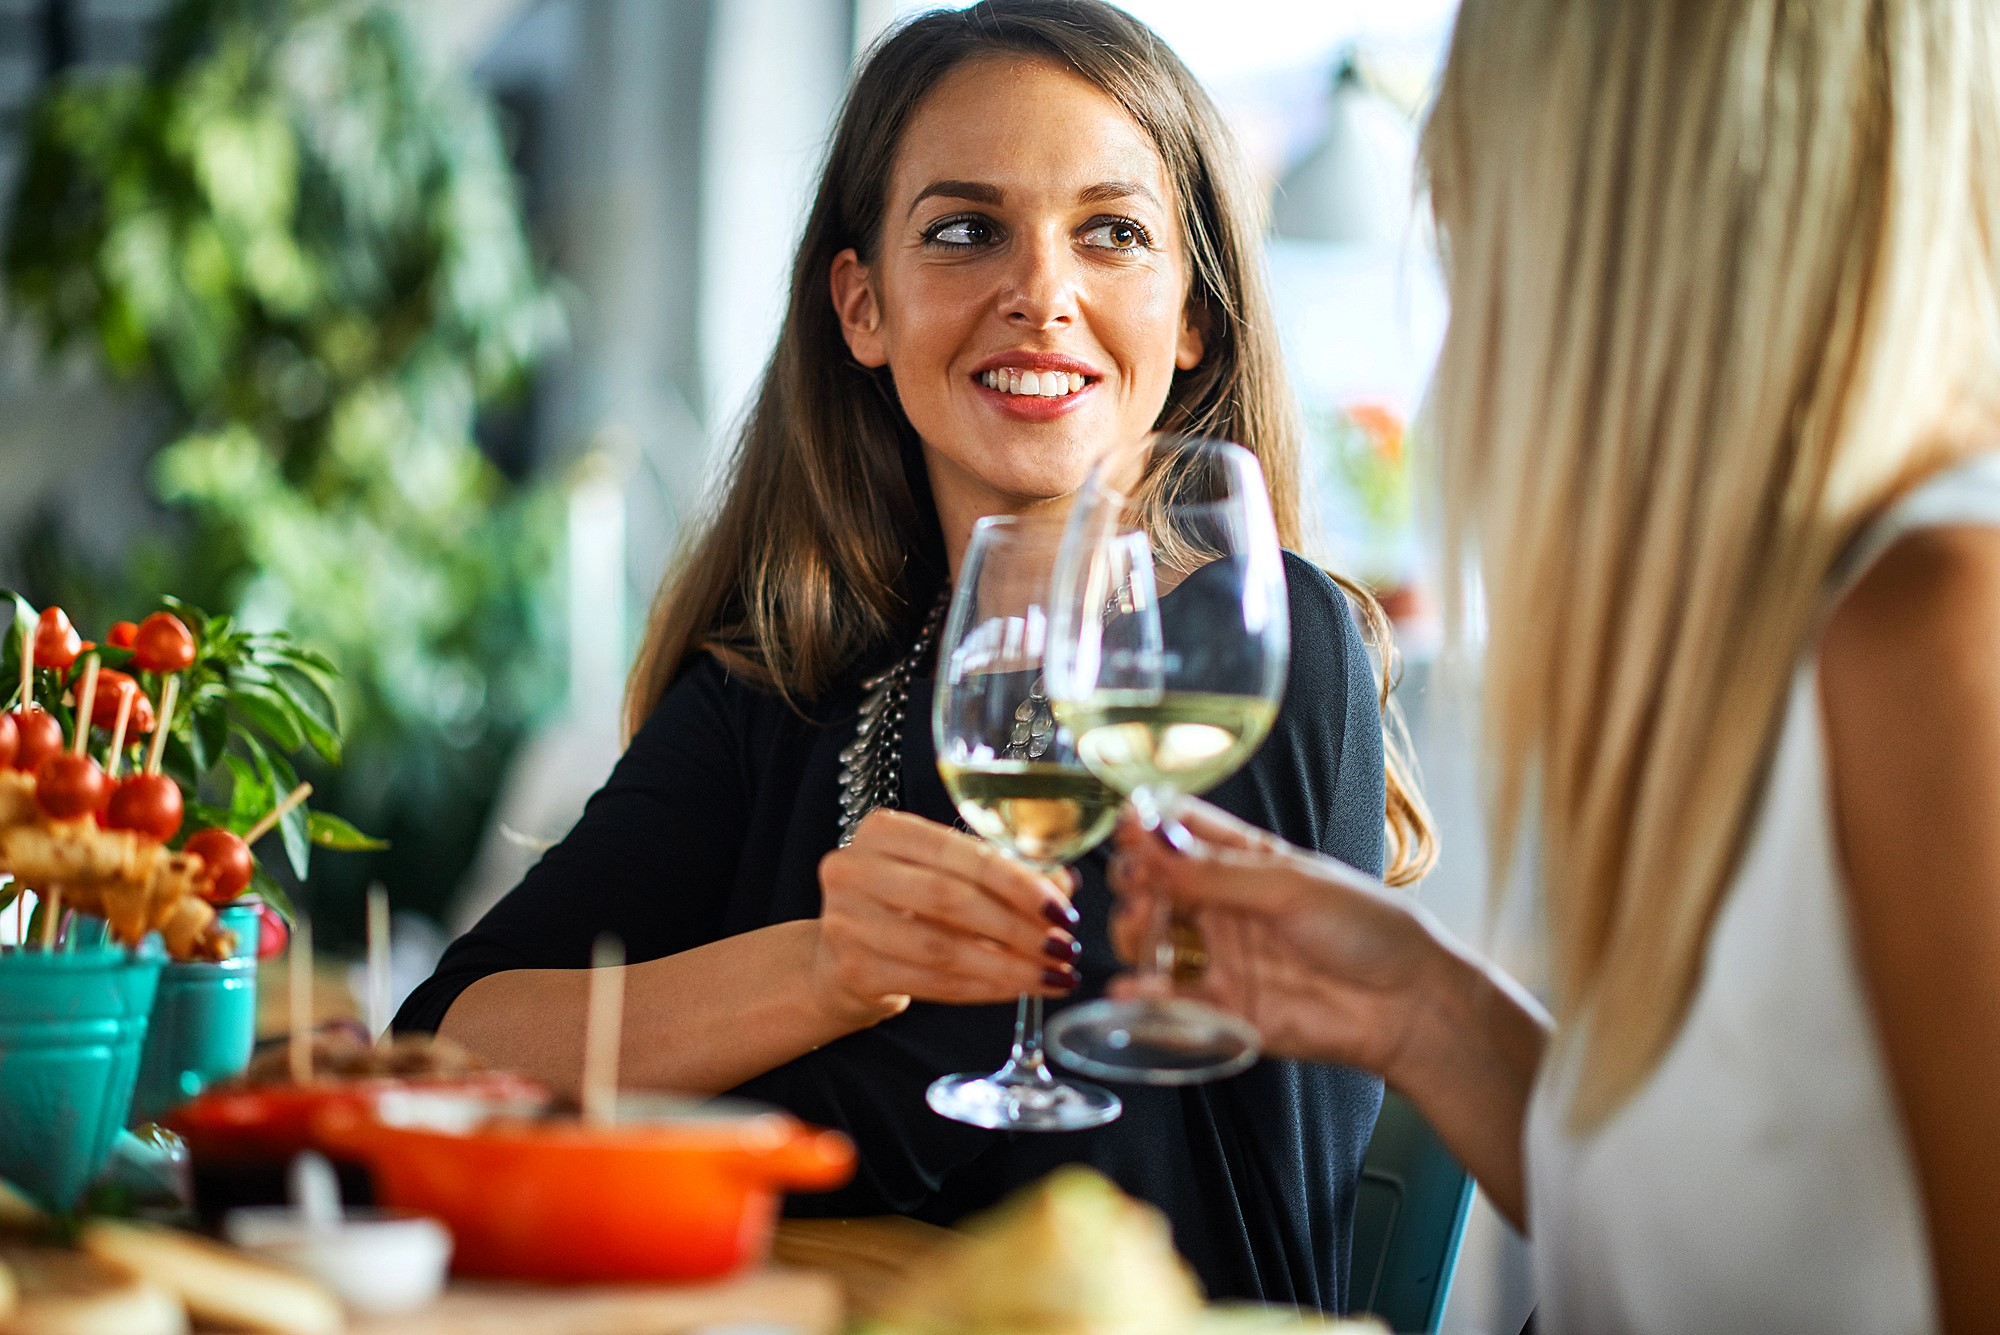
(1065, 978)
(1060, 914)
(1062, 949)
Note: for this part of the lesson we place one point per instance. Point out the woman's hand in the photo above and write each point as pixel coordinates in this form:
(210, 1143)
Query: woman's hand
(1327, 963)
(916, 910)
(1333, 966)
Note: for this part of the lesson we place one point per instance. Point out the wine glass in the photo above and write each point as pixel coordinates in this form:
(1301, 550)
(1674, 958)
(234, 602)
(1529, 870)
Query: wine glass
(1168, 643)
(1013, 773)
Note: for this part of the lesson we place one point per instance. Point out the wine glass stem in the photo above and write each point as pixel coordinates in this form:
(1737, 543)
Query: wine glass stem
(1156, 960)
(1027, 1061)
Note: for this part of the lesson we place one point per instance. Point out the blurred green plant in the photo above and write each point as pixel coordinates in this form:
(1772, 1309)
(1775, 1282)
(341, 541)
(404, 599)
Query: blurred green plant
(306, 233)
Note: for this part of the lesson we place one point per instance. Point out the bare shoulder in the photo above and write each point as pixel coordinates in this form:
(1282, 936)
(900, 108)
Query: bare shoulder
(1919, 634)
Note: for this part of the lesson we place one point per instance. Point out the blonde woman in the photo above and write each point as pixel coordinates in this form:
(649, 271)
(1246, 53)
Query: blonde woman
(1717, 413)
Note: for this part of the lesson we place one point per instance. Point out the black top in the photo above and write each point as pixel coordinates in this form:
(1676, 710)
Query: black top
(714, 823)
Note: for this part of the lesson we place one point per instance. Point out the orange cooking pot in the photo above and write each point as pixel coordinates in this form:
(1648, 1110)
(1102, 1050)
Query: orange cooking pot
(227, 1123)
(669, 1190)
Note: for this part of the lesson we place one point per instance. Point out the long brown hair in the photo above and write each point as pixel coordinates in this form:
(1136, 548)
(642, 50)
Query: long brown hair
(822, 552)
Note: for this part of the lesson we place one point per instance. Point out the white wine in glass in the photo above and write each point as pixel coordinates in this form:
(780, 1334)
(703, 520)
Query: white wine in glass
(1013, 772)
(1168, 648)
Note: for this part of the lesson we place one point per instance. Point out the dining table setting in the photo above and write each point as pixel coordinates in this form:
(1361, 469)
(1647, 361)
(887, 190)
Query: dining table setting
(165, 1172)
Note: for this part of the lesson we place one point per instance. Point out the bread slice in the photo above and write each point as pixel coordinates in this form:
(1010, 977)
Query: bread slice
(219, 1284)
(60, 1292)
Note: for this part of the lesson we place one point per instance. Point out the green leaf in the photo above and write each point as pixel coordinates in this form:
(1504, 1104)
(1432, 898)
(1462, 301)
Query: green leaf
(306, 658)
(294, 829)
(210, 732)
(271, 713)
(249, 794)
(315, 711)
(330, 831)
(267, 888)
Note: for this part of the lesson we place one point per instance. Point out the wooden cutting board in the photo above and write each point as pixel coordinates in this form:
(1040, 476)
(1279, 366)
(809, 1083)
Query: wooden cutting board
(868, 1257)
(796, 1300)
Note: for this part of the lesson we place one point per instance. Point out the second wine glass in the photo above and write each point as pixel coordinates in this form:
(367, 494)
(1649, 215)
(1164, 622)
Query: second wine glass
(1168, 648)
(1014, 775)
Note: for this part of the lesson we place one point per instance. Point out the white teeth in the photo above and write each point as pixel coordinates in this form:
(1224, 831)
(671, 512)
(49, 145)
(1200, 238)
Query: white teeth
(1039, 384)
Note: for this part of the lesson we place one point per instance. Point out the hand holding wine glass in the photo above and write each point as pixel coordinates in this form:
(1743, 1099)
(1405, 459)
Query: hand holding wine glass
(1014, 775)
(1168, 651)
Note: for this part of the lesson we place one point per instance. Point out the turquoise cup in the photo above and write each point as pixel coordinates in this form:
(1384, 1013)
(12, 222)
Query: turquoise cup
(204, 1023)
(72, 1025)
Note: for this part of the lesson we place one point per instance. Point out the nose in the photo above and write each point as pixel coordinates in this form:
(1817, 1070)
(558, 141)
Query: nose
(1041, 291)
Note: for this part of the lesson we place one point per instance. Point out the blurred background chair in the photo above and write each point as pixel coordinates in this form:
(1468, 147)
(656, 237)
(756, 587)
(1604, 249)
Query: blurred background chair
(1409, 1216)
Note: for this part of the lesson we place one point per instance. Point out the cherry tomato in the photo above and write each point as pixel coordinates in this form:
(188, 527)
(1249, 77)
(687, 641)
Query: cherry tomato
(163, 644)
(70, 786)
(148, 803)
(10, 741)
(122, 635)
(272, 934)
(56, 641)
(227, 864)
(38, 736)
(112, 687)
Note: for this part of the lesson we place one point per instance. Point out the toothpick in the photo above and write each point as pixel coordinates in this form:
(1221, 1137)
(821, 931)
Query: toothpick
(602, 1030)
(117, 758)
(51, 915)
(27, 667)
(277, 813)
(378, 961)
(298, 1047)
(84, 704)
(164, 724)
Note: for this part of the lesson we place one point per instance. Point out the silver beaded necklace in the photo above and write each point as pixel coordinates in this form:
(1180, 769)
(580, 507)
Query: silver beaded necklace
(871, 766)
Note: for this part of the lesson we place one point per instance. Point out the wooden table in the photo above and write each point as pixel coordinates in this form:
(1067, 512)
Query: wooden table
(797, 1300)
(822, 1271)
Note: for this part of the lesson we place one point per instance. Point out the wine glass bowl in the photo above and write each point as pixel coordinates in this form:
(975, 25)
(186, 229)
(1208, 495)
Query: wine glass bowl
(1012, 771)
(1168, 645)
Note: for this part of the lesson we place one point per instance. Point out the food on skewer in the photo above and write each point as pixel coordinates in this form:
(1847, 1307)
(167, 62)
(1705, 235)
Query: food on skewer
(89, 838)
(57, 644)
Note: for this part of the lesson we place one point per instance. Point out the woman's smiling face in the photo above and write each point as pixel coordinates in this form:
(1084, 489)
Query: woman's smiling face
(1029, 291)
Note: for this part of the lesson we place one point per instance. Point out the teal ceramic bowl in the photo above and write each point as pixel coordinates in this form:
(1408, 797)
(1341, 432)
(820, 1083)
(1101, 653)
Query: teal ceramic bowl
(204, 1023)
(72, 1025)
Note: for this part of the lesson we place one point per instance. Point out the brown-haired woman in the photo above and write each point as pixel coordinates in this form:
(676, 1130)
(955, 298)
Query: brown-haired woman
(1030, 244)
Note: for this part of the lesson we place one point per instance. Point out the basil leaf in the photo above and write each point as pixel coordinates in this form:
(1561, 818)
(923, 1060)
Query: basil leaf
(330, 831)
(271, 713)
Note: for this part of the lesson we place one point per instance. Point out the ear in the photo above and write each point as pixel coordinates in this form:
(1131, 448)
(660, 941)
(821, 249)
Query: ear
(860, 313)
(1193, 342)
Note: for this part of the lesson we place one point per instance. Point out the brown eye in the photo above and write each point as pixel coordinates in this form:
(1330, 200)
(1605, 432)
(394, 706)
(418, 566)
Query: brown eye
(1116, 234)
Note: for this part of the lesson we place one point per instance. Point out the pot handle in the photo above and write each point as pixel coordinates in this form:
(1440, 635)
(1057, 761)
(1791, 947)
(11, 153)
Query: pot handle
(812, 1160)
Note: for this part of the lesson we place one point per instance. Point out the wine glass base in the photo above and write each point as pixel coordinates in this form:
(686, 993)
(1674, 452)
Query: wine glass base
(1153, 1042)
(1000, 1103)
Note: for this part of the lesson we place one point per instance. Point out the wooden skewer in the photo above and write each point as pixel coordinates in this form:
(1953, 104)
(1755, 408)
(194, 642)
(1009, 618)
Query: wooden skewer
(164, 724)
(51, 915)
(298, 1048)
(117, 757)
(277, 813)
(85, 703)
(27, 667)
(602, 1031)
(378, 962)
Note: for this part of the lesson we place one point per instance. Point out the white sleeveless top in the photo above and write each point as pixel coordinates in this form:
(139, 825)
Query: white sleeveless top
(1759, 1181)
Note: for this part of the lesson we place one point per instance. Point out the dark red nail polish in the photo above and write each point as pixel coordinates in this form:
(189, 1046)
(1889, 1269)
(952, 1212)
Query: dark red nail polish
(1065, 978)
(1060, 914)
(1062, 949)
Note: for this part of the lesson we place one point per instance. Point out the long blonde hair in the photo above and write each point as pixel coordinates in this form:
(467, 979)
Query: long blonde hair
(818, 557)
(1723, 281)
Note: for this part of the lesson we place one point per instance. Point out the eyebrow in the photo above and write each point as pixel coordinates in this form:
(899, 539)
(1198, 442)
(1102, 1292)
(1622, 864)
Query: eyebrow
(979, 192)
